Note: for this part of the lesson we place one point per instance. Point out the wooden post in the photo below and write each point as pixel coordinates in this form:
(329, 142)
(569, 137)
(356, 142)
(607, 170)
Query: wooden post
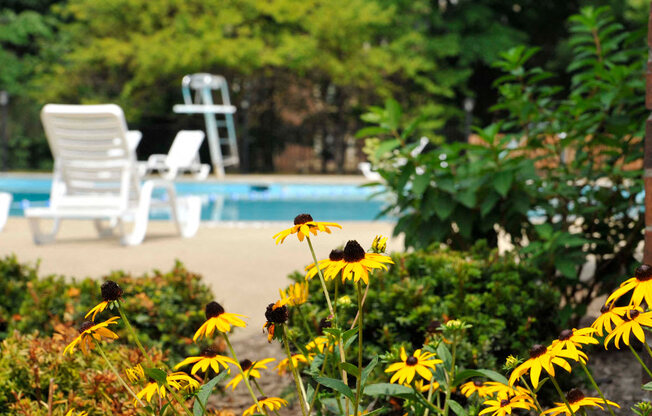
(647, 158)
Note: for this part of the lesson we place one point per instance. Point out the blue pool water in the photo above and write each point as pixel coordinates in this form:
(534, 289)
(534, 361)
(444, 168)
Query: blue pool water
(236, 201)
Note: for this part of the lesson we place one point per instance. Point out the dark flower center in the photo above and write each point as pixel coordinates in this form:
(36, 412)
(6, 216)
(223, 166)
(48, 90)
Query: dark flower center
(214, 309)
(353, 252)
(83, 327)
(605, 309)
(575, 395)
(336, 255)
(324, 323)
(276, 315)
(433, 325)
(565, 335)
(631, 314)
(209, 352)
(302, 219)
(411, 360)
(504, 402)
(537, 350)
(643, 272)
(478, 383)
(261, 398)
(245, 364)
(111, 291)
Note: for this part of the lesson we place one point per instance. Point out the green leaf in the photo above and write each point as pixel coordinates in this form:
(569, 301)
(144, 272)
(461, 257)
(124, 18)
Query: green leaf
(457, 408)
(467, 198)
(350, 368)
(647, 386)
(488, 203)
(444, 355)
(371, 131)
(502, 181)
(394, 113)
(367, 370)
(387, 146)
(443, 205)
(466, 374)
(420, 184)
(157, 375)
(544, 230)
(387, 389)
(205, 391)
(566, 267)
(336, 385)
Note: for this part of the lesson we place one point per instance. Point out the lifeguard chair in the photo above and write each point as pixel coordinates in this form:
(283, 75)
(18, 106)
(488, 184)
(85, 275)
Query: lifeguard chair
(216, 116)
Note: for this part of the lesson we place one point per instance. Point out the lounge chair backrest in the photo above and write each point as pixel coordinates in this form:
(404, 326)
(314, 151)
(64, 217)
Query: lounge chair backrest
(183, 151)
(91, 154)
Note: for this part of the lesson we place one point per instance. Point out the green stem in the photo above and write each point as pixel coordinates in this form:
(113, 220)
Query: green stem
(133, 334)
(595, 386)
(426, 402)
(125, 385)
(561, 394)
(429, 398)
(295, 373)
(647, 370)
(364, 297)
(171, 406)
(304, 321)
(647, 348)
(203, 408)
(358, 389)
(532, 393)
(321, 373)
(179, 400)
(450, 377)
(244, 376)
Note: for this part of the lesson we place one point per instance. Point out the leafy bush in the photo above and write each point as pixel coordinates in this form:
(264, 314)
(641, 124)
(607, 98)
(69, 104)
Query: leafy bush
(560, 173)
(506, 303)
(169, 309)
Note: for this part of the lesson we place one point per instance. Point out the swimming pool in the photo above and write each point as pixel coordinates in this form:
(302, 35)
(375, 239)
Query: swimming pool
(240, 201)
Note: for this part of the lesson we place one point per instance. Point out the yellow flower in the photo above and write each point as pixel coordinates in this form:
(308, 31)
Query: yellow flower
(577, 400)
(541, 358)
(303, 226)
(505, 406)
(209, 357)
(379, 245)
(70, 413)
(330, 267)
(178, 381)
(632, 321)
(135, 374)
(297, 294)
(319, 343)
(570, 340)
(89, 332)
(272, 403)
(283, 365)
(149, 390)
(216, 318)
(424, 387)
(356, 264)
(250, 370)
(503, 390)
(610, 316)
(420, 363)
(111, 292)
(477, 386)
(641, 283)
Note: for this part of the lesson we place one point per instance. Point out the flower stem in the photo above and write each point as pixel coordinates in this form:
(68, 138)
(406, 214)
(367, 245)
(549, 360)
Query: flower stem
(133, 334)
(304, 320)
(364, 297)
(358, 389)
(534, 395)
(647, 370)
(647, 348)
(561, 393)
(295, 373)
(595, 386)
(450, 377)
(321, 373)
(124, 384)
(244, 376)
(179, 400)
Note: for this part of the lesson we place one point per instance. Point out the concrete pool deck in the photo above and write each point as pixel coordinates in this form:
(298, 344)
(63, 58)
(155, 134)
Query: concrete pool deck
(239, 261)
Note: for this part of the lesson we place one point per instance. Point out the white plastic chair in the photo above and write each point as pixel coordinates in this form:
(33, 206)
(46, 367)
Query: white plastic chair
(5, 203)
(182, 157)
(372, 175)
(96, 177)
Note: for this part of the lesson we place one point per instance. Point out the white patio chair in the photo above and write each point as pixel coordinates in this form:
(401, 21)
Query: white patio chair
(372, 175)
(96, 177)
(182, 157)
(5, 203)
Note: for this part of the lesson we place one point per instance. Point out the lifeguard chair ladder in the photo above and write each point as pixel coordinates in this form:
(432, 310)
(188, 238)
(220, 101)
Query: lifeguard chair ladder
(203, 86)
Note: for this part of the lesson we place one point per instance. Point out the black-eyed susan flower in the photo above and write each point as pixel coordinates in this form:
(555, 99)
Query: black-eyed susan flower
(271, 403)
(492, 388)
(641, 284)
(576, 400)
(610, 316)
(571, 341)
(541, 358)
(475, 387)
(422, 386)
(150, 390)
(633, 320)
(284, 364)
(297, 294)
(72, 413)
(217, 318)
(250, 369)
(507, 405)
(319, 343)
(356, 263)
(276, 314)
(135, 374)
(303, 226)
(111, 292)
(209, 358)
(379, 245)
(330, 267)
(89, 332)
(178, 380)
(419, 363)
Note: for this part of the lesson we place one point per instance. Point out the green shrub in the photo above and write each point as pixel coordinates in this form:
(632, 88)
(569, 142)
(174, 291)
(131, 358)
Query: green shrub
(165, 308)
(508, 306)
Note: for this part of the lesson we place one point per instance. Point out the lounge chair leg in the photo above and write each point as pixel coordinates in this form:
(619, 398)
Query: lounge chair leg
(39, 236)
(105, 231)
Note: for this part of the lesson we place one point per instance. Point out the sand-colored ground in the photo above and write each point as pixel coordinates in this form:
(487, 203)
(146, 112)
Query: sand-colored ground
(239, 261)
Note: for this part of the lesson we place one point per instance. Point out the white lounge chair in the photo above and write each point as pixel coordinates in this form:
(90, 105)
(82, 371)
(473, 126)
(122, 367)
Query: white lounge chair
(96, 177)
(183, 156)
(372, 175)
(5, 203)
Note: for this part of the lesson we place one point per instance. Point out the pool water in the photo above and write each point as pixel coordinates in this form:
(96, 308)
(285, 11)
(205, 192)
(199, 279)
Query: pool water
(223, 201)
